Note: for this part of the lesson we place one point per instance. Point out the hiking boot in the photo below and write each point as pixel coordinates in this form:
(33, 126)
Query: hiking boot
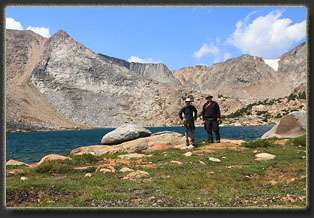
(217, 141)
(187, 143)
(210, 141)
(193, 143)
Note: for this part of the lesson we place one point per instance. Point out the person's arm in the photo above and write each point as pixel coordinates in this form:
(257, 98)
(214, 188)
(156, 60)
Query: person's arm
(203, 112)
(218, 112)
(195, 113)
(180, 113)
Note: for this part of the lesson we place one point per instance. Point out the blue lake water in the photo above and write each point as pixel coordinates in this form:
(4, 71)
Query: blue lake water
(30, 147)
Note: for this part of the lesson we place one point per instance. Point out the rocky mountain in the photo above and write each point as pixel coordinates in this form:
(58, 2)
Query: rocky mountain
(249, 78)
(158, 72)
(26, 108)
(58, 83)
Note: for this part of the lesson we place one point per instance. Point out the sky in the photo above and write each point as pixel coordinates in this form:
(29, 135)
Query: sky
(175, 36)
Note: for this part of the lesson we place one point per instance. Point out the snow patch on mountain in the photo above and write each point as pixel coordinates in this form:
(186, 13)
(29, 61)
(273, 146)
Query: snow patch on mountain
(273, 63)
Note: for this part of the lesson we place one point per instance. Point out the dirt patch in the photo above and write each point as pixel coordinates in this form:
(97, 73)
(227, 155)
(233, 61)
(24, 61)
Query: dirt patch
(220, 146)
(27, 198)
(279, 176)
(31, 118)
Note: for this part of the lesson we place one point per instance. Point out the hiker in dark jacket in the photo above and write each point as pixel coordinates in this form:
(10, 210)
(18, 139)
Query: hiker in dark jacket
(211, 118)
(188, 119)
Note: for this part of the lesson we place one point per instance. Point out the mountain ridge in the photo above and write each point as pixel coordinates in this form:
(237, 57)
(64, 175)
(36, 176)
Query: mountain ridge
(68, 85)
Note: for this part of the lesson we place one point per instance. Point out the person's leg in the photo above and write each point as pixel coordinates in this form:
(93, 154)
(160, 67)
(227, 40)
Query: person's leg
(192, 136)
(186, 129)
(216, 131)
(209, 130)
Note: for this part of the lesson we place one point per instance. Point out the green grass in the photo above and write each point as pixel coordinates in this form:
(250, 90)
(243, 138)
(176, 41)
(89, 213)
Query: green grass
(237, 181)
(299, 141)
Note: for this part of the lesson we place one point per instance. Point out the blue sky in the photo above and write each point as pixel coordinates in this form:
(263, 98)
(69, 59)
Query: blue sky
(176, 36)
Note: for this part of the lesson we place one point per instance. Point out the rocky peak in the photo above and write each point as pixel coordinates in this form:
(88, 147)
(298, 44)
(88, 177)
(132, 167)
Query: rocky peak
(61, 34)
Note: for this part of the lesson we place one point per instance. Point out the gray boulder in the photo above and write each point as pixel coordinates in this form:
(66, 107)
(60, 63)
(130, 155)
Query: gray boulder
(290, 126)
(123, 133)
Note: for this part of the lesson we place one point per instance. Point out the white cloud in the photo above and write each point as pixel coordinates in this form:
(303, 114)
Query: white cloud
(12, 24)
(40, 30)
(206, 49)
(227, 55)
(217, 59)
(267, 36)
(140, 60)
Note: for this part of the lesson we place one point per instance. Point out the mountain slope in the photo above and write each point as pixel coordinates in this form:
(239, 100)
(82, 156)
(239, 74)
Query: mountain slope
(26, 107)
(249, 78)
(96, 91)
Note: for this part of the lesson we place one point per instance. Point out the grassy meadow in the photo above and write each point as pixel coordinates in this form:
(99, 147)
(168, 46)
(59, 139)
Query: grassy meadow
(238, 181)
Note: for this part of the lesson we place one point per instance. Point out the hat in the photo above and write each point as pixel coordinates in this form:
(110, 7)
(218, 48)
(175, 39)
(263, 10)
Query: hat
(187, 99)
(209, 96)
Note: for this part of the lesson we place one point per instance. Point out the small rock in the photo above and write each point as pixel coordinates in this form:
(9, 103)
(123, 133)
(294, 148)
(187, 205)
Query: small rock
(126, 169)
(214, 159)
(133, 155)
(224, 158)
(255, 151)
(88, 175)
(201, 162)
(105, 170)
(23, 178)
(303, 178)
(265, 156)
(187, 147)
(176, 162)
(15, 163)
(151, 198)
(159, 147)
(188, 154)
(273, 182)
(291, 180)
(112, 169)
(136, 175)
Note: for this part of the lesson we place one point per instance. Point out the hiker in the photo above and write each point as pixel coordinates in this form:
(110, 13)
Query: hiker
(211, 118)
(188, 119)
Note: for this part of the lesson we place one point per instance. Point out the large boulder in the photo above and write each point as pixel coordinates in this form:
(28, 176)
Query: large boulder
(51, 157)
(290, 126)
(123, 133)
(166, 138)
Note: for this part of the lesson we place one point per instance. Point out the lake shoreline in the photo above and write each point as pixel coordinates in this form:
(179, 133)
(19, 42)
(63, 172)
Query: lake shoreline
(98, 128)
(31, 146)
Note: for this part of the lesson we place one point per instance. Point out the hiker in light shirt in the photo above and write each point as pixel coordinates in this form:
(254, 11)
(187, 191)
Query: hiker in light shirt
(188, 119)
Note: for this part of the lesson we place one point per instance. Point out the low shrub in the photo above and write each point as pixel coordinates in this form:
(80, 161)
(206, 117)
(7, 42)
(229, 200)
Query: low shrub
(78, 160)
(54, 166)
(298, 141)
(258, 143)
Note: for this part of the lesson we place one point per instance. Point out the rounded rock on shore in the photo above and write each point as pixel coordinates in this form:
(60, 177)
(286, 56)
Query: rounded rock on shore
(123, 133)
